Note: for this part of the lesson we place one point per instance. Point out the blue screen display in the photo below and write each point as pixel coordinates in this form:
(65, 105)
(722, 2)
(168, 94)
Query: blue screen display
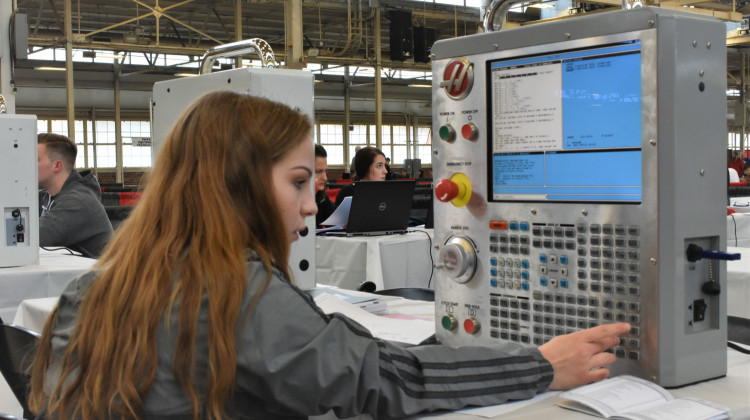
(567, 126)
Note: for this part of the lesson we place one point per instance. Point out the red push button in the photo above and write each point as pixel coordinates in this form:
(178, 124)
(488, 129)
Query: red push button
(446, 190)
(470, 131)
(498, 225)
(471, 326)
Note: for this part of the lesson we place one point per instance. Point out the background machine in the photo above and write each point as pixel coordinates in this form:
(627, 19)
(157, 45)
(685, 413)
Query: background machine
(583, 181)
(291, 87)
(19, 191)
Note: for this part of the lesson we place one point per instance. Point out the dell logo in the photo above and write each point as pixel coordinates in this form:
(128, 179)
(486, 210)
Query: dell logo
(381, 207)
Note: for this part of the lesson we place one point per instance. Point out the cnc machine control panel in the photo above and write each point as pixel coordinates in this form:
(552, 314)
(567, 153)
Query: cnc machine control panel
(574, 166)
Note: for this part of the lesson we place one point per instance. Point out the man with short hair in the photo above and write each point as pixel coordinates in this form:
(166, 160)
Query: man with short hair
(325, 206)
(71, 214)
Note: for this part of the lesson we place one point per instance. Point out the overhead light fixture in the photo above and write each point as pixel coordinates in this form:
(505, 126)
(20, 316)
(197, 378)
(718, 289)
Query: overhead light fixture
(114, 57)
(542, 5)
(421, 85)
(49, 68)
(185, 74)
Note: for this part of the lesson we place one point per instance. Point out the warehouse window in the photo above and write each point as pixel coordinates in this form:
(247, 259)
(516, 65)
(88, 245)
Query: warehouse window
(332, 138)
(136, 144)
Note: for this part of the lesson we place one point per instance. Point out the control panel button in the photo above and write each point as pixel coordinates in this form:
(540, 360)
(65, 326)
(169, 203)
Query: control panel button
(457, 190)
(471, 326)
(449, 322)
(459, 259)
(499, 225)
(470, 131)
(447, 133)
(446, 190)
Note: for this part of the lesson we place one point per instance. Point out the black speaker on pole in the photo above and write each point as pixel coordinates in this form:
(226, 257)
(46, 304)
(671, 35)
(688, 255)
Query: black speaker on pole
(400, 35)
(423, 40)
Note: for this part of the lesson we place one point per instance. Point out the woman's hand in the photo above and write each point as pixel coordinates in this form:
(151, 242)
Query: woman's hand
(579, 358)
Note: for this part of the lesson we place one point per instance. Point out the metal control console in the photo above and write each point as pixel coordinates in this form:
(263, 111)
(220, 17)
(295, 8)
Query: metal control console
(577, 160)
(19, 196)
(293, 88)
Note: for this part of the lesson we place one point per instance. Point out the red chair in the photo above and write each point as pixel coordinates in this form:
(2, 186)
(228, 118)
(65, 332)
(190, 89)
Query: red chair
(129, 198)
(344, 181)
(332, 193)
(738, 184)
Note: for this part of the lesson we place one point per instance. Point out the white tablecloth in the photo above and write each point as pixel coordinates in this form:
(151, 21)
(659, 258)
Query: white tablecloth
(732, 391)
(49, 278)
(388, 261)
(738, 284)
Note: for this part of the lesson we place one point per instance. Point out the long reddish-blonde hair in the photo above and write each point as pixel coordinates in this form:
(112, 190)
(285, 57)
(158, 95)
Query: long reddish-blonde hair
(205, 204)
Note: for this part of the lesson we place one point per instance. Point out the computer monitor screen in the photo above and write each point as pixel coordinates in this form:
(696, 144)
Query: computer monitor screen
(566, 126)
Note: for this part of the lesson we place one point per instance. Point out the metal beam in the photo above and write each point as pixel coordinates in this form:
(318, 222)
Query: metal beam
(378, 84)
(69, 87)
(719, 14)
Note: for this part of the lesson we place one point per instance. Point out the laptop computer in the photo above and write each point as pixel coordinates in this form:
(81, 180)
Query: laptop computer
(379, 208)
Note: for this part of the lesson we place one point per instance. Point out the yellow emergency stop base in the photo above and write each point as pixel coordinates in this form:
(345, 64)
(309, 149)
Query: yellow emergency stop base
(464, 190)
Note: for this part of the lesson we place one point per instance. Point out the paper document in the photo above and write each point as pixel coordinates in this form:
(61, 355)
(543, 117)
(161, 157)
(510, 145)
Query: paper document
(408, 331)
(366, 301)
(341, 215)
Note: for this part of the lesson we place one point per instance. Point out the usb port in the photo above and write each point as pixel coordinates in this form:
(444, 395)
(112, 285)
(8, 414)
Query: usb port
(19, 237)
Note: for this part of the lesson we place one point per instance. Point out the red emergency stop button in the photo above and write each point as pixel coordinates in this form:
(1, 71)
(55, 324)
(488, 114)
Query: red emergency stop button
(446, 190)
(470, 131)
(471, 326)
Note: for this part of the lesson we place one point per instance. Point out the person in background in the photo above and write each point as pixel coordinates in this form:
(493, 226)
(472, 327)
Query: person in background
(351, 167)
(388, 172)
(737, 163)
(71, 213)
(191, 311)
(369, 165)
(325, 205)
(746, 176)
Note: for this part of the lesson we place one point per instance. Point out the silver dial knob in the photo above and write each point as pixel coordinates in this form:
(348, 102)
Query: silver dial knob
(459, 259)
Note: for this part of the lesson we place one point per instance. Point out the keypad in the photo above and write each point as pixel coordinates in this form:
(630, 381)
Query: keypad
(552, 279)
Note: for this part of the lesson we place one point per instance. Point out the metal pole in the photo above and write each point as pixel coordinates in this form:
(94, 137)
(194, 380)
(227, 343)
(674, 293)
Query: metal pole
(743, 102)
(238, 29)
(119, 176)
(93, 140)
(69, 88)
(347, 117)
(294, 34)
(378, 85)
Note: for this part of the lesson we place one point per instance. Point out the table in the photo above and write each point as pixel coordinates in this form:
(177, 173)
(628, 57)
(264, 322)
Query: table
(739, 223)
(387, 261)
(738, 284)
(732, 391)
(48, 278)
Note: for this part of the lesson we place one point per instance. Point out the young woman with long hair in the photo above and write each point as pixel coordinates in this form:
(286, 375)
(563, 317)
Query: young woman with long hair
(191, 313)
(369, 165)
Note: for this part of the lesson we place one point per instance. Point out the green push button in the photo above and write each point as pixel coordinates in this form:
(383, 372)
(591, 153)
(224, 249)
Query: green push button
(447, 133)
(449, 322)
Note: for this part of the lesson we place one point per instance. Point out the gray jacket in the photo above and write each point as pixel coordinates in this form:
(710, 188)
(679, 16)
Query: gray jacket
(75, 217)
(293, 361)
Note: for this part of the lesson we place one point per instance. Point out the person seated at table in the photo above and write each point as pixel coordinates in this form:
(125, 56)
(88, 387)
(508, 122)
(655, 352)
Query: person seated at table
(191, 311)
(325, 205)
(369, 165)
(746, 176)
(72, 214)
